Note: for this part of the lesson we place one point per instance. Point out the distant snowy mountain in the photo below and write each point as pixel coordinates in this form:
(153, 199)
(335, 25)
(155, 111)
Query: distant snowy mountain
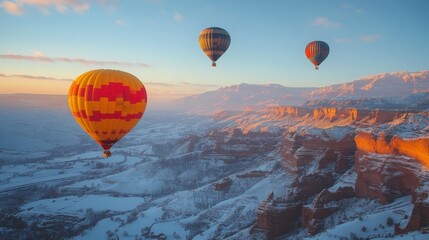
(413, 102)
(239, 97)
(396, 84)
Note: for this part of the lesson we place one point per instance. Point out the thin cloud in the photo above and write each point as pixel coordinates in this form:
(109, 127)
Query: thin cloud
(42, 58)
(34, 77)
(12, 8)
(325, 23)
(160, 92)
(178, 17)
(38, 53)
(370, 38)
(17, 7)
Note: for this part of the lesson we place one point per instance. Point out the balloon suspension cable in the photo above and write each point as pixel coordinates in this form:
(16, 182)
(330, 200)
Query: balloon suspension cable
(213, 64)
(316, 67)
(107, 153)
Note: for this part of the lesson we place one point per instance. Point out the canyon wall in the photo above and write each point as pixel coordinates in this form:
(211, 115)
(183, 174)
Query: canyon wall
(388, 150)
(333, 114)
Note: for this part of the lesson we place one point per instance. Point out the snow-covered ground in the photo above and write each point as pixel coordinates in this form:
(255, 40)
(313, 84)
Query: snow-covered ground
(151, 182)
(369, 219)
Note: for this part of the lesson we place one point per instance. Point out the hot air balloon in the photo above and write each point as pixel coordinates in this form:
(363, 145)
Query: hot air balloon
(214, 42)
(107, 104)
(316, 52)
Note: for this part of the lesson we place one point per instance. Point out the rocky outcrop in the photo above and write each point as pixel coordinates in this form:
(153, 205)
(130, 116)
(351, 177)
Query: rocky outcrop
(417, 148)
(391, 167)
(299, 149)
(276, 217)
(419, 216)
(387, 166)
(385, 177)
(332, 114)
(323, 206)
(304, 186)
(318, 156)
(236, 144)
(387, 169)
(223, 185)
(282, 112)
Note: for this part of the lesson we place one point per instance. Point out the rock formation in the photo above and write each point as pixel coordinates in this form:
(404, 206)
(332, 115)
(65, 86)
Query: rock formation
(388, 150)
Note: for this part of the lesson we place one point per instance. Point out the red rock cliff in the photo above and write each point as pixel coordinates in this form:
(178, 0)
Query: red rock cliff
(389, 169)
(276, 217)
(417, 148)
(298, 150)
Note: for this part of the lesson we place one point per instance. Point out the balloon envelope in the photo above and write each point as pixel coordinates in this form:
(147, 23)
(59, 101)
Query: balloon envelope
(107, 104)
(317, 52)
(214, 42)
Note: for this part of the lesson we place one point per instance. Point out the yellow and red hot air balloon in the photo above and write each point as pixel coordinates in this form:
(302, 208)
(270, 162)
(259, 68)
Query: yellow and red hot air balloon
(107, 104)
(317, 52)
(214, 42)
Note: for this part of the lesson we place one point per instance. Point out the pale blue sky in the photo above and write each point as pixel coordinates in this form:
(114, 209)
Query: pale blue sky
(157, 40)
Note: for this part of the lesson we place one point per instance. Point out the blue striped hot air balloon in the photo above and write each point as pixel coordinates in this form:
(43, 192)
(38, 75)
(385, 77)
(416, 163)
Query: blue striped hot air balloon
(214, 42)
(317, 52)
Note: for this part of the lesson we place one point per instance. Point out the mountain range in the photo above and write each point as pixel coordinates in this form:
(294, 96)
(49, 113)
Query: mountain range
(394, 85)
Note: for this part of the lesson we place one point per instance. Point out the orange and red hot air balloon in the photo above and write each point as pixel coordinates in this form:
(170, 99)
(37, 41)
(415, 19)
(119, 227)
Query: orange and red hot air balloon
(107, 104)
(317, 52)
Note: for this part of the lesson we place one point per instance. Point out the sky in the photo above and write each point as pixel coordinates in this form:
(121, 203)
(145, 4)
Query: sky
(45, 44)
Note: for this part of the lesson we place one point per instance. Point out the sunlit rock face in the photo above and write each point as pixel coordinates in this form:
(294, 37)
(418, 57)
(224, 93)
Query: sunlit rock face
(417, 148)
(385, 161)
(391, 167)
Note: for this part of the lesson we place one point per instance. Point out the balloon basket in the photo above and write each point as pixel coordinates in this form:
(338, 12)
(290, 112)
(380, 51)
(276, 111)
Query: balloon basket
(213, 64)
(107, 153)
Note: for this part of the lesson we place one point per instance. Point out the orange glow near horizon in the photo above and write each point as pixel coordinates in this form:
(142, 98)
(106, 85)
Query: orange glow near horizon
(157, 92)
(11, 85)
